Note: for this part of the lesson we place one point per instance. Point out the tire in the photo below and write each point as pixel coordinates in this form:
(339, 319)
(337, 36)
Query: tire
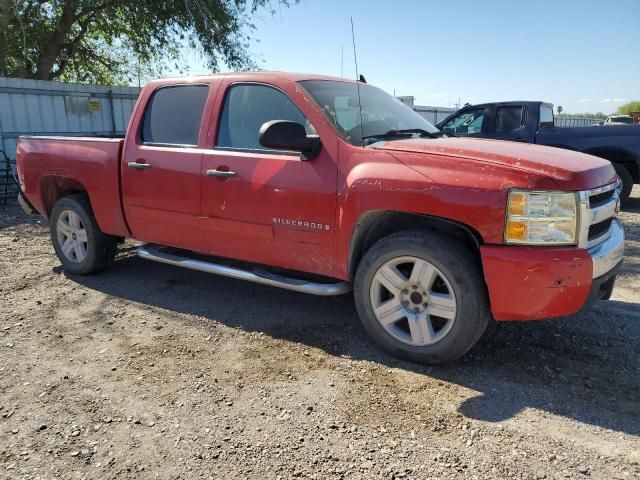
(455, 282)
(626, 180)
(71, 222)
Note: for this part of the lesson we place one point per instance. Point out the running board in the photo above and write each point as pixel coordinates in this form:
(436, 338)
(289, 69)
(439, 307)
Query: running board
(155, 253)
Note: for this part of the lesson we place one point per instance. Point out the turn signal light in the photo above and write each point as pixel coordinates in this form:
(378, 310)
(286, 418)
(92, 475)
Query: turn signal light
(516, 230)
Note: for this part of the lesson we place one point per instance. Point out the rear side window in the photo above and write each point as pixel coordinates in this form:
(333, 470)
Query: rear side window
(247, 107)
(174, 115)
(509, 119)
(546, 116)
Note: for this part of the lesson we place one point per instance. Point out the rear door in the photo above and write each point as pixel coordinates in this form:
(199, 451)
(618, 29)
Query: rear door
(270, 206)
(508, 122)
(161, 168)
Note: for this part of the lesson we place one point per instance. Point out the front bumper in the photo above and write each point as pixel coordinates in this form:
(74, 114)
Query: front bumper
(532, 283)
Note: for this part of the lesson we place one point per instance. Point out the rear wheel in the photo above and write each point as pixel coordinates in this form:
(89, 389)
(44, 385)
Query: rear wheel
(79, 244)
(625, 182)
(421, 296)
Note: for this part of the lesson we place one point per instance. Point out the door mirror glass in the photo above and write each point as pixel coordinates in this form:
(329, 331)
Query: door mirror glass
(288, 135)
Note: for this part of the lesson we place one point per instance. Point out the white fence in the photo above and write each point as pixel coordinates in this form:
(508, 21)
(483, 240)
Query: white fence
(568, 122)
(433, 114)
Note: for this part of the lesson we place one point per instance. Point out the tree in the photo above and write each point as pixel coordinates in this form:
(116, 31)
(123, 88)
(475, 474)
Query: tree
(106, 41)
(627, 108)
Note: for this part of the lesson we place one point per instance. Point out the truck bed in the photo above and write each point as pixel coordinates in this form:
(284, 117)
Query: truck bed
(48, 164)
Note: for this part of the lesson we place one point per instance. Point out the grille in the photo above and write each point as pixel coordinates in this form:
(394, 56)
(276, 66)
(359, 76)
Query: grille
(601, 198)
(598, 229)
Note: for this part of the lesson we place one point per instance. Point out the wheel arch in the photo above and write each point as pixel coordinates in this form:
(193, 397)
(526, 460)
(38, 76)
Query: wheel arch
(618, 155)
(374, 225)
(54, 187)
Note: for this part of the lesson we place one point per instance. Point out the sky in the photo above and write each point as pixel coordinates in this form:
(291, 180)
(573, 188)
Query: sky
(583, 55)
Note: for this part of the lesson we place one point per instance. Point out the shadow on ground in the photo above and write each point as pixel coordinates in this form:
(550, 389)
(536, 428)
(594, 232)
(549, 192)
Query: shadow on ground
(585, 367)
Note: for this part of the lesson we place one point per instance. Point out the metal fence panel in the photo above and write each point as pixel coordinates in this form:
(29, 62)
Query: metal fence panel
(569, 122)
(433, 114)
(36, 107)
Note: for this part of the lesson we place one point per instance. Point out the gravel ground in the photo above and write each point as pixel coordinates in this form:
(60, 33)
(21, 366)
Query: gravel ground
(151, 371)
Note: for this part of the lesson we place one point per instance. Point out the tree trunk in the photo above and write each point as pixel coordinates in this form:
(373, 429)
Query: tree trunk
(49, 54)
(5, 13)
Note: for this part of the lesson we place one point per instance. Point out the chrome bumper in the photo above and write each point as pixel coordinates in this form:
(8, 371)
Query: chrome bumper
(608, 254)
(25, 204)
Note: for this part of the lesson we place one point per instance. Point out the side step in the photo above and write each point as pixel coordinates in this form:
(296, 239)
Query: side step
(157, 254)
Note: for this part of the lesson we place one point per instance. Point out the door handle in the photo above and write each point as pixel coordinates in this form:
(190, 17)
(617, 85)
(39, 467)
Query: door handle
(220, 173)
(138, 165)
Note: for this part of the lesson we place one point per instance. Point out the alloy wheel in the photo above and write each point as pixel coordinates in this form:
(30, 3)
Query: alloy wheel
(413, 300)
(72, 236)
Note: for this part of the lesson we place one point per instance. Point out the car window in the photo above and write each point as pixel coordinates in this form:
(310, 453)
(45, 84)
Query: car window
(247, 107)
(546, 116)
(509, 118)
(174, 115)
(468, 122)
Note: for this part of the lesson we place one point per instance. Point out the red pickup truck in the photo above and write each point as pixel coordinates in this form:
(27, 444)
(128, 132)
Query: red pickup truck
(321, 185)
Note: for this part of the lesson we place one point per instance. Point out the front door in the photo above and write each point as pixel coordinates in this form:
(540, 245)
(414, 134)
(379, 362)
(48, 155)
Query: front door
(263, 205)
(161, 169)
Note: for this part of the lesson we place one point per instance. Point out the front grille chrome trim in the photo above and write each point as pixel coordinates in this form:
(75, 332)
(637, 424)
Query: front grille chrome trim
(608, 253)
(590, 216)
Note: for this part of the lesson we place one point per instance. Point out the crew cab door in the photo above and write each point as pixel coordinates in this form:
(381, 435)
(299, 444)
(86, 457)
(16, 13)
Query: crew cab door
(161, 167)
(469, 122)
(260, 205)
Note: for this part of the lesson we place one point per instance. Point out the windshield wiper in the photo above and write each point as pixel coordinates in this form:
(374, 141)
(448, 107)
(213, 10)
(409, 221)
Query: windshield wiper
(407, 132)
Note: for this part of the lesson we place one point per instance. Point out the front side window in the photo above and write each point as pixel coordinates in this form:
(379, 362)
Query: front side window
(174, 115)
(509, 118)
(546, 116)
(380, 111)
(247, 107)
(468, 122)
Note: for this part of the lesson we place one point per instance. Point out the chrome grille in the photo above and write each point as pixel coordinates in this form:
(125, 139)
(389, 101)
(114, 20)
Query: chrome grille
(601, 198)
(598, 208)
(598, 229)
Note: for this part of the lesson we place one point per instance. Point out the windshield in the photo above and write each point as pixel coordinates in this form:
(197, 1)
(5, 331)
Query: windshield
(380, 111)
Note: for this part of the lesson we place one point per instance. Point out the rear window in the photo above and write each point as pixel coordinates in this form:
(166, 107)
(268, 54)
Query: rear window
(174, 115)
(509, 118)
(546, 116)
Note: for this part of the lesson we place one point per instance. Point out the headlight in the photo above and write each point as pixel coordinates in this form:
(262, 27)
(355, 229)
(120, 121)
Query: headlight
(541, 218)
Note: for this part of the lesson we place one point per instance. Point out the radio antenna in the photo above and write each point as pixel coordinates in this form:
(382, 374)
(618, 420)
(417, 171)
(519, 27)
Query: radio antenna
(355, 59)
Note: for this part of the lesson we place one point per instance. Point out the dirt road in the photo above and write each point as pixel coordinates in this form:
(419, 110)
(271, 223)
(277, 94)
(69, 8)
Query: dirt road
(150, 371)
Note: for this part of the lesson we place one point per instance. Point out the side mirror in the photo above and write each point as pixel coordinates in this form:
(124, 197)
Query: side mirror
(286, 135)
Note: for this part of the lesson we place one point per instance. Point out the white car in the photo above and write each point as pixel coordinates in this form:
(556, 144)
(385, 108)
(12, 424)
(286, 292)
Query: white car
(619, 120)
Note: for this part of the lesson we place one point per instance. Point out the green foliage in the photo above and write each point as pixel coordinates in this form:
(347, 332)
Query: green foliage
(627, 108)
(111, 41)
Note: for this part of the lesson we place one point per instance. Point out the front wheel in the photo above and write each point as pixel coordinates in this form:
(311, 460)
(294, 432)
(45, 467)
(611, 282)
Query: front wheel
(625, 182)
(421, 296)
(78, 241)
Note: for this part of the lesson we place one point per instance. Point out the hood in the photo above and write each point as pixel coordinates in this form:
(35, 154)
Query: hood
(570, 170)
